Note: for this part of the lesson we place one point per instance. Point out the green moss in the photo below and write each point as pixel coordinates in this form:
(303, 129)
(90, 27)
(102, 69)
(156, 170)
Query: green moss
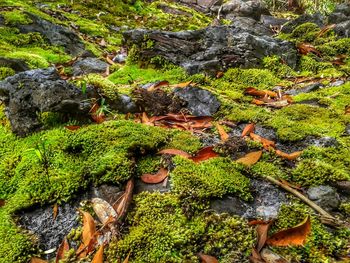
(107, 87)
(212, 178)
(336, 47)
(297, 121)
(306, 32)
(310, 66)
(345, 208)
(6, 72)
(160, 232)
(15, 17)
(184, 141)
(276, 65)
(321, 243)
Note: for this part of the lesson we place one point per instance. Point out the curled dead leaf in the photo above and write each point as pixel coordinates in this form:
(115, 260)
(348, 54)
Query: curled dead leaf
(37, 260)
(175, 152)
(260, 93)
(305, 48)
(267, 144)
(158, 84)
(72, 127)
(182, 85)
(62, 249)
(288, 156)
(98, 258)
(103, 210)
(121, 206)
(248, 129)
(207, 259)
(204, 154)
(223, 134)
(292, 236)
(155, 178)
(250, 158)
(88, 236)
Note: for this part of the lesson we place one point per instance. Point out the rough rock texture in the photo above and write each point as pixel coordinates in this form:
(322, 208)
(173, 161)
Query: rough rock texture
(253, 25)
(341, 17)
(41, 90)
(56, 35)
(200, 102)
(210, 49)
(89, 65)
(316, 18)
(244, 8)
(325, 196)
(18, 65)
(272, 21)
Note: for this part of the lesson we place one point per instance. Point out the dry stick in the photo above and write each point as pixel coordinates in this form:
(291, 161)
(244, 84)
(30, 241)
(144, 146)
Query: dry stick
(327, 218)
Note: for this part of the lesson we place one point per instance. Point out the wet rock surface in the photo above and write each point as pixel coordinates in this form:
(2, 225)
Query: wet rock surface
(49, 231)
(316, 18)
(211, 49)
(89, 65)
(40, 90)
(325, 196)
(267, 202)
(341, 17)
(199, 102)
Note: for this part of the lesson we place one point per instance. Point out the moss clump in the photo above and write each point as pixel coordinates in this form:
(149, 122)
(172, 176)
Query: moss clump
(212, 178)
(306, 32)
(295, 122)
(160, 232)
(184, 141)
(6, 72)
(275, 64)
(15, 17)
(148, 164)
(345, 208)
(336, 47)
(321, 245)
(309, 65)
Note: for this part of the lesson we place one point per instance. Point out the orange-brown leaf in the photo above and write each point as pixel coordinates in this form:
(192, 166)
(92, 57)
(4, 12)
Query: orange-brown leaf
(289, 156)
(126, 260)
(260, 93)
(248, 129)
(175, 152)
(98, 258)
(72, 127)
(325, 29)
(258, 102)
(305, 48)
(182, 85)
(267, 144)
(158, 84)
(292, 236)
(37, 260)
(55, 211)
(2, 202)
(109, 61)
(204, 154)
(207, 259)
(63, 248)
(219, 74)
(155, 178)
(262, 231)
(89, 229)
(250, 158)
(121, 206)
(223, 134)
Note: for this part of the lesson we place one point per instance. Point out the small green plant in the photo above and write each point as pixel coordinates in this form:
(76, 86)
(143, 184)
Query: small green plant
(43, 153)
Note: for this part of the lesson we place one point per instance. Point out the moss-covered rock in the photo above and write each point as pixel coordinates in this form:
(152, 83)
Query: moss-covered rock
(6, 72)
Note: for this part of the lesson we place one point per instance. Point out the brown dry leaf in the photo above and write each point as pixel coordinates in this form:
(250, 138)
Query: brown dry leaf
(255, 257)
(250, 158)
(262, 231)
(248, 129)
(175, 152)
(89, 229)
(104, 211)
(98, 258)
(325, 29)
(182, 85)
(98, 117)
(289, 156)
(37, 260)
(258, 102)
(260, 93)
(126, 260)
(158, 84)
(63, 248)
(219, 74)
(347, 109)
(122, 205)
(207, 259)
(72, 127)
(2, 202)
(267, 144)
(109, 61)
(339, 60)
(305, 48)
(293, 236)
(155, 178)
(278, 103)
(146, 120)
(55, 211)
(204, 154)
(223, 134)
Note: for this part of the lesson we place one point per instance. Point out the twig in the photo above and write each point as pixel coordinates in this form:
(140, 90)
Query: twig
(326, 218)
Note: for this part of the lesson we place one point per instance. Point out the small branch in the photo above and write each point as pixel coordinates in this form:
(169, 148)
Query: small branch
(326, 218)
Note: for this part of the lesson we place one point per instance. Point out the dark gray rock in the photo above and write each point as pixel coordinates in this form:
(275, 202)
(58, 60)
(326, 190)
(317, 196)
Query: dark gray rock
(250, 24)
(306, 89)
(343, 29)
(56, 35)
(200, 102)
(125, 104)
(337, 83)
(268, 20)
(308, 141)
(341, 13)
(143, 187)
(211, 49)
(325, 196)
(89, 65)
(267, 201)
(40, 90)
(242, 8)
(18, 65)
(316, 18)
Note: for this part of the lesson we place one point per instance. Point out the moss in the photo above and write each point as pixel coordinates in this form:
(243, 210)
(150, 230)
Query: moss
(275, 64)
(107, 87)
(184, 141)
(306, 32)
(15, 17)
(295, 122)
(345, 208)
(309, 66)
(335, 48)
(212, 178)
(148, 164)
(321, 246)
(160, 232)
(6, 72)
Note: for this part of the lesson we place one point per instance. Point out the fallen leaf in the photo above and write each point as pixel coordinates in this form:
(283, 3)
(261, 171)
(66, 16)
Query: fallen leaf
(37, 260)
(250, 158)
(267, 144)
(2, 202)
(258, 102)
(223, 134)
(278, 103)
(271, 257)
(155, 178)
(262, 231)
(248, 129)
(305, 48)
(146, 120)
(325, 29)
(175, 152)
(297, 187)
(207, 259)
(204, 154)
(55, 211)
(255, 257)
(72, 127)
(126, 260)
(260, 93)
(158, 84)
(98, 258)
(292, 236)
(97, 116)
(89, 229)
(182, 85)
(109, 61)
(219, 74)
(103, 210)
(62, 249)
(121, 206)
(289, 156)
